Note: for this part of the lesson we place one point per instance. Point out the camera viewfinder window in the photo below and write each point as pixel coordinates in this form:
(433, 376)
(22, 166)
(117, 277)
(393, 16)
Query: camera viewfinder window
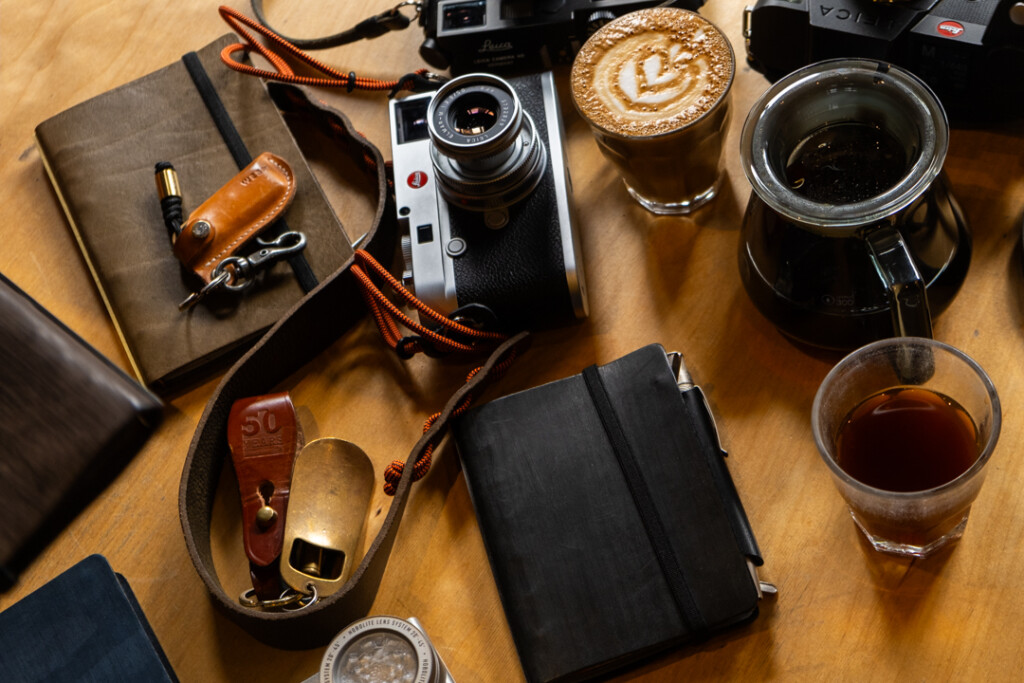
(465, 14)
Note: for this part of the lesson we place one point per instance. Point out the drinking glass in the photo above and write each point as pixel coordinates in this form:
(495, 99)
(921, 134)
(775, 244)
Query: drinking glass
(909, 522)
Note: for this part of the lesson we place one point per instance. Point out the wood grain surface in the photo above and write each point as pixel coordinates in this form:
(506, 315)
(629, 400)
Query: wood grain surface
(843, 612)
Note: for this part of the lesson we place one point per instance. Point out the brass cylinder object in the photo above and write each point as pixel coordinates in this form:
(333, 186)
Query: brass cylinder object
(167, 184)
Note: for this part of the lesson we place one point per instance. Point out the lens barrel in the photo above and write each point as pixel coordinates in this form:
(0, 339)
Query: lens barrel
(485, 148)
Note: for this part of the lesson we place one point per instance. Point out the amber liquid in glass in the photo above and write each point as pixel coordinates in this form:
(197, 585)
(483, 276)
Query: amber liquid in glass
(907, 439)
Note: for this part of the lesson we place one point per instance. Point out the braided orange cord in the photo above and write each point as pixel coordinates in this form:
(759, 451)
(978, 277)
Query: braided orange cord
(393, 472)
(283, 72)
(380, 270)
(387, 315)
(388, 329)
(388, 312)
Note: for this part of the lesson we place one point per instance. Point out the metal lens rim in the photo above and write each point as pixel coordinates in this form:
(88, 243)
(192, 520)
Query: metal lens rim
(499, 135)
(496, 169)
(427, 663)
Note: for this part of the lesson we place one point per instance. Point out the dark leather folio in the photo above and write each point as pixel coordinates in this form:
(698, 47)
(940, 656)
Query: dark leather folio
(611, 522)
(69, 421)
(84, 625)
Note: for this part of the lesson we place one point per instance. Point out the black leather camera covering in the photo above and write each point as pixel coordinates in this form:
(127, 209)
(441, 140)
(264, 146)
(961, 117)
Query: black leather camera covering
(518, 271)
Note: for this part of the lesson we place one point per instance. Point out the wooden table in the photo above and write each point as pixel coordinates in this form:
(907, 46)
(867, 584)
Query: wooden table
(842, 613)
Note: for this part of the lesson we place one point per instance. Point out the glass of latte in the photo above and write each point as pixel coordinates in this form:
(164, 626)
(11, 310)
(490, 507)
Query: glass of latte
(654, 87)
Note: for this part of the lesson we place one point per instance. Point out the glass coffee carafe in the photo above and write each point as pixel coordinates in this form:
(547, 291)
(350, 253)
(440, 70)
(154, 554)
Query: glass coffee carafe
(851, 233)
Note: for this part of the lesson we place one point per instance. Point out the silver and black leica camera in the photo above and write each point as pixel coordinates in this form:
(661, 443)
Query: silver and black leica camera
(970, 52)
(498, 35)
(482, 192)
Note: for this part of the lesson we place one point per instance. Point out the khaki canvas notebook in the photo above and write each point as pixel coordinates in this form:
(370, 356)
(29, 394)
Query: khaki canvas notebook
(100, 156)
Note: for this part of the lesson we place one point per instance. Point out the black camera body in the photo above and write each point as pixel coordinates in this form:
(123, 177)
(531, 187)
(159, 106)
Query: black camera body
(970, 52)
(482, 192)
(521, 35)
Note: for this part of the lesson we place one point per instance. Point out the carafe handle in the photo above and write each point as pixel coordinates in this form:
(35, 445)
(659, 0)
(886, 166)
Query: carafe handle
(896, 267)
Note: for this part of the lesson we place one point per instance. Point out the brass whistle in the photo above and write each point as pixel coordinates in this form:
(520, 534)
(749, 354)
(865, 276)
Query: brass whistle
(331, 489)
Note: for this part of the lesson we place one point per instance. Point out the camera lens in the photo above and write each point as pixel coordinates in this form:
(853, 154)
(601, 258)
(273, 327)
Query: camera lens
(475, 113)
(485, 148)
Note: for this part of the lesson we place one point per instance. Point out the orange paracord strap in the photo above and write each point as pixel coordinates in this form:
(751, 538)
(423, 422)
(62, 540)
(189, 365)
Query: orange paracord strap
(387, 315)
(333, 78)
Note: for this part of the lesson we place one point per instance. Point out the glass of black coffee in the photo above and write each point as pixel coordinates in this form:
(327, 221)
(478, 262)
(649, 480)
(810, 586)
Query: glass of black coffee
(851, 233)
(907, 427)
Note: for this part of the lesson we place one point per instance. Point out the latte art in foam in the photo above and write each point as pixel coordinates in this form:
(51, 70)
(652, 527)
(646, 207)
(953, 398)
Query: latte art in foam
(653, 85)
(642, 76)
(652, 74)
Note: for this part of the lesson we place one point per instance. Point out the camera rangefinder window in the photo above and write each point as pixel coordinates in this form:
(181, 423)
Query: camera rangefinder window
(465, 14)
(411, 120)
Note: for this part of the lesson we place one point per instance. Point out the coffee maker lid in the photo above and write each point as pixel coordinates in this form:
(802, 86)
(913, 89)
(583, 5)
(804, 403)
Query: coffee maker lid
(843, 91)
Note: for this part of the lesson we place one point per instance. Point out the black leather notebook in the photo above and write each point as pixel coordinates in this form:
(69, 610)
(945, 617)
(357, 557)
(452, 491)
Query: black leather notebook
(69, 422)
(86, 626)
(610, 519)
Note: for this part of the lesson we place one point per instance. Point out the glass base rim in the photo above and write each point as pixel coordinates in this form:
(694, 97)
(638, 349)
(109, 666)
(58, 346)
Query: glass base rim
(674, 208)
(889, 547)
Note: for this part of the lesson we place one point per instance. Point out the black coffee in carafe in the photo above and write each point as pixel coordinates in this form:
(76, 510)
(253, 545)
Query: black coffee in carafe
(851, 233)
(847, 162)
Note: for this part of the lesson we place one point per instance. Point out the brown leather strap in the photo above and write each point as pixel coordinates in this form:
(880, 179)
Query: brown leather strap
(307, 329)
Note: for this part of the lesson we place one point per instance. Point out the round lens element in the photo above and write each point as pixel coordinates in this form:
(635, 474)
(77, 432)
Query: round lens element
(474, 113)
(382, 649)
(486, 150)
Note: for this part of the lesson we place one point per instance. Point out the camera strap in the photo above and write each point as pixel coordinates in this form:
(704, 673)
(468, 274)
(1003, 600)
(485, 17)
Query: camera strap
(377, 25)
(307, 330)
(278, 48)
(447, 336)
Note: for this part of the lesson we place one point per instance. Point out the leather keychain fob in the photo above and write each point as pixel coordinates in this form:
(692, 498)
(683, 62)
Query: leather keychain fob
(264, 435)
(331, 493)
(235, 213)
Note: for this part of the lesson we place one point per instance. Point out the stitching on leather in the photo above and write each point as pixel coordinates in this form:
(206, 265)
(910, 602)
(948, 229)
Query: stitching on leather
(272, 213)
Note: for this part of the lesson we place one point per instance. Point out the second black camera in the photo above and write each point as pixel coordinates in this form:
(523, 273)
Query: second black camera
(503, 35)
(970, 52)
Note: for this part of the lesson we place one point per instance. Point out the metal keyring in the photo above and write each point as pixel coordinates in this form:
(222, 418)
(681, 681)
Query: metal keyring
(239, 273)
(418, 4)
(220, 280)
(288, 597)
(304, 601)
